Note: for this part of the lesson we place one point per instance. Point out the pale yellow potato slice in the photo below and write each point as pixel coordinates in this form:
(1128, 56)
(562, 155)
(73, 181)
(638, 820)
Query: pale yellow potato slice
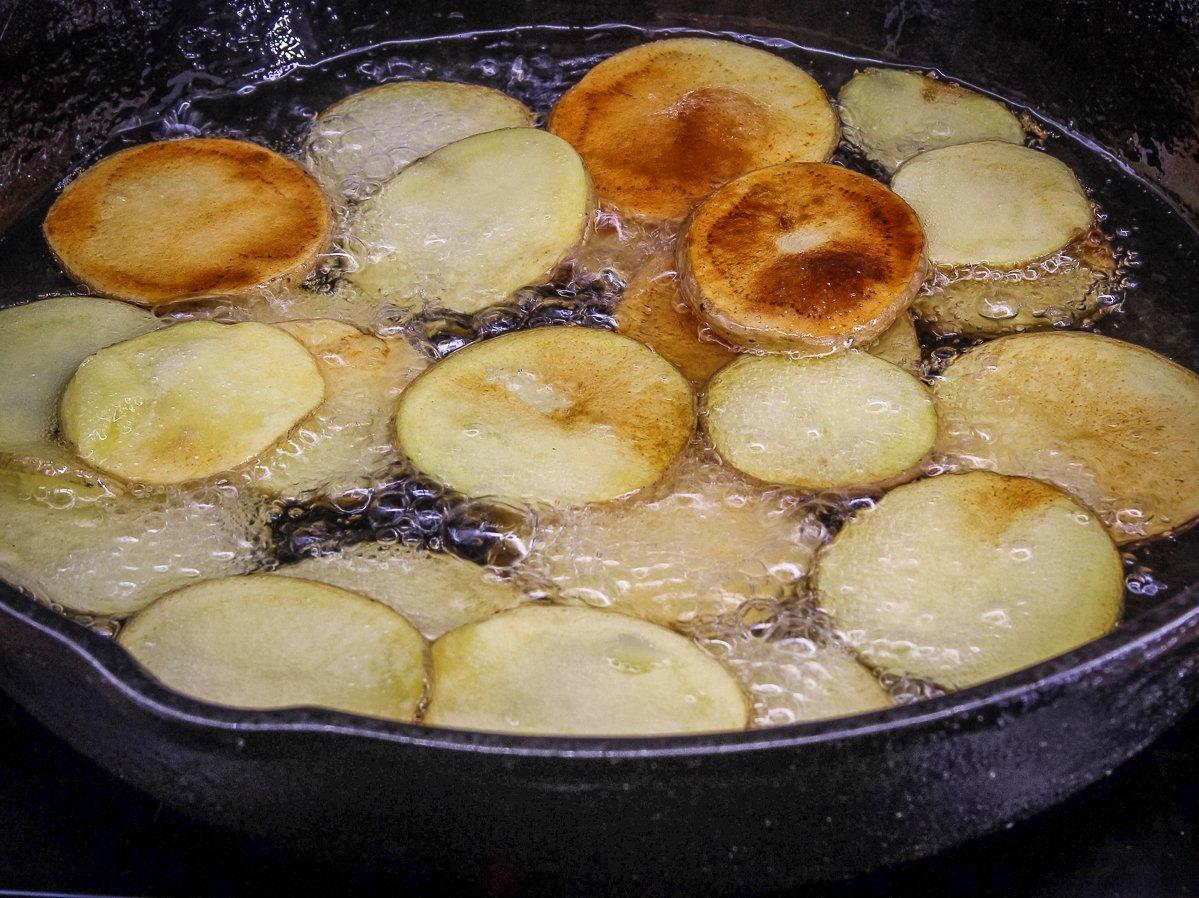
(550, 670)
(966, 577)
(663, 124)
(166, 221)
(843, 421)
(993, 202)
(261, 641)
(892, 115)
(94, 553)
(1114, 424)
(562, 415)
(900, 345)
(374, 134)
(188, 401)
(700, 544)
(474, 221)
(803, 256)
(435, 591)
(349, 436)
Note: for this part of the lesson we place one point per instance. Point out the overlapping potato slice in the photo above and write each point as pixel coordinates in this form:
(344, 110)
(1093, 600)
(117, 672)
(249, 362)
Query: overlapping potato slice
(1112, 423)
(700, 544)
(966, 577)
(892, 115)
(95, 553)
(835, 422)
(374, 134)
(41, 345)
(551, 670)
(663, 124)
(435, 591)
(993, 202)
(900, 345)
(349, 436)
(474, 221)
(261, 641)
(188, 401)
(204, 216)
(804, 256)
(562, 415)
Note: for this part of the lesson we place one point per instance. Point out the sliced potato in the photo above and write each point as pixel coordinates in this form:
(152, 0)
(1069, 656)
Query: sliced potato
(563, 415)
(575, 671)
(848, 420)
(1114, 424)
(805, 256)
(474, 221)
(95, 553)
(663, 124)
(892, 115)
(349, 436)
(204, 216)
(188, 401)
(963, 578)
(1064, 290)
(435, 591)
(899, 345)
(261, 641)
(653, 312)
(374, 134)
(993, 202)
(699, 545)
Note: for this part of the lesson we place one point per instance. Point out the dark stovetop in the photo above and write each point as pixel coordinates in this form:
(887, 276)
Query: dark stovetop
(67, 826)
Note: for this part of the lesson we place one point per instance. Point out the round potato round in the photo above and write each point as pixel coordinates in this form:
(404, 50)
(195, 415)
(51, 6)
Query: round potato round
(962, 578)
(1114, 424)
(549, 670)
(562, 415)
(189, 401)
(166, 221)
(849, 420)
(261, 641)
(803, 256)
(663, 124)
(993, 202)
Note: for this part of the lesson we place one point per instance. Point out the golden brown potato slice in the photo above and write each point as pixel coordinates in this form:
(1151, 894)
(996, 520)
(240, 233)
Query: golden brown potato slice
(804, 256)
(562, 415)
(166, 221)
(188, 401)
(1114, 424)
(261, 641)
(550, 670)
(966, 577)
(663, 124)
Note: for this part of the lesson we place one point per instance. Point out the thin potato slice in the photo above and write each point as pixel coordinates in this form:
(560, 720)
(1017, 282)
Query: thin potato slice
(807, 257)
(166, 221)
(474, 221)
(349, 436)
(374, 134)
(993, 202)
(848, 420)
(699, 545)
(963, 578)
(435, 591)
(891, 115)
(563, 415)
(261, 641)
(574, 671)
(663, 124)
(899, 345)
(1114, 424)
(188, 401)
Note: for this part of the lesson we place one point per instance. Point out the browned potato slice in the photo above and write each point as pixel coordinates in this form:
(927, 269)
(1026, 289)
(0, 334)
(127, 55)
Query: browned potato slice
(803, 256)
(1114, 424)
(662, 124)
(165, 221)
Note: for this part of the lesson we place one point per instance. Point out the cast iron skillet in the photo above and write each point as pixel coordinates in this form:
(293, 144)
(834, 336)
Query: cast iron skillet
(734, 812)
